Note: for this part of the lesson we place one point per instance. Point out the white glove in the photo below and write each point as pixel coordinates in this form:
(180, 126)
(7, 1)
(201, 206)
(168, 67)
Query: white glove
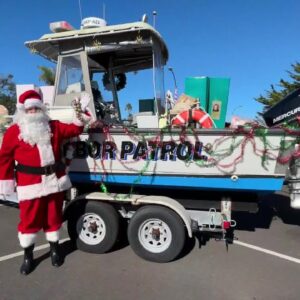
(84, 101)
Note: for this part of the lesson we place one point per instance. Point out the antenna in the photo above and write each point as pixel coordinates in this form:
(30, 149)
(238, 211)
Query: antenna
(103, 11)
(154, 13)
(235, 109)
(144, 18)
(80, 11)
(174, 78)
(175, 83)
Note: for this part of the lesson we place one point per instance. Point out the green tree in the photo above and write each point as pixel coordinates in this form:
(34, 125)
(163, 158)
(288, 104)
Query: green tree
(128, 108)
(285, 87)
(47, 75)
(8, 93)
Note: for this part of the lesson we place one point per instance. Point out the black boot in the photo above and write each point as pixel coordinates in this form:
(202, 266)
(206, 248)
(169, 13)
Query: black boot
(56, 257)
(28, 263)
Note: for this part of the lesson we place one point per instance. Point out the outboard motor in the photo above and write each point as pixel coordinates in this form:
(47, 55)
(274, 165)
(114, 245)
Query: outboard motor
(286, 110)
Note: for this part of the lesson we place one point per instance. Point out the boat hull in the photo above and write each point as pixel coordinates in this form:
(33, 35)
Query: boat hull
(198, 159)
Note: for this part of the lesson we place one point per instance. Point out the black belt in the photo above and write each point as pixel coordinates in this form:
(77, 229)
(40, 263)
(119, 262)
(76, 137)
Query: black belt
(47, 170)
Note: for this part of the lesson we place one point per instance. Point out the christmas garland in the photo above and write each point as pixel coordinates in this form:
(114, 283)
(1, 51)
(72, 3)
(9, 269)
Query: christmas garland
(217, 154)
(120, 80)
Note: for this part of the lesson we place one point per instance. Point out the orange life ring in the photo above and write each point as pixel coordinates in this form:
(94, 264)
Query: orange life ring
(196, 115)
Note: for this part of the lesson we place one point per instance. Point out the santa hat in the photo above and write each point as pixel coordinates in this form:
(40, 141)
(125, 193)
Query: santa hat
(30, 99)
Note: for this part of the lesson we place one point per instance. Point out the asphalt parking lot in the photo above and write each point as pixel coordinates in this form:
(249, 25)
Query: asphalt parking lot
(264, 263)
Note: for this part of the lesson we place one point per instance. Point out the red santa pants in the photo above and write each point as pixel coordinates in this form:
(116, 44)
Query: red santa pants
(40, 213)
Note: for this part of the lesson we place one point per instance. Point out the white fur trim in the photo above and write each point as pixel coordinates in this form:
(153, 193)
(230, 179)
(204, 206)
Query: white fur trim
(21, 107)
(32, 102)
(46, 154)
(49, 185)
(52, 236)
(7, 187)
(26, 239)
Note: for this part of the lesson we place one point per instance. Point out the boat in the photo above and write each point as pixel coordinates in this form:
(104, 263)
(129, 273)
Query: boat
(143, 153)
(163, 169)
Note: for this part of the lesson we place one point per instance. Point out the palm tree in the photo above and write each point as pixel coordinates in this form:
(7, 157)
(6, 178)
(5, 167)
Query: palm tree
(48, 75)
(128, 108)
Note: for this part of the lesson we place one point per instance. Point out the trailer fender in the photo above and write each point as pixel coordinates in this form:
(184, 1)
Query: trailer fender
(73, 206)
(79, 202)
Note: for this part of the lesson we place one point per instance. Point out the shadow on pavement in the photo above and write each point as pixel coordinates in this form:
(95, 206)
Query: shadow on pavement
(282, 209)
(9, 203)
(122, 241)
(269, 207)
(188, 247)
(66, 248)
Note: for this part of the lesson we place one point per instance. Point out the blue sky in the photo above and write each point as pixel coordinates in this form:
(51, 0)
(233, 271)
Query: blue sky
(253, 42)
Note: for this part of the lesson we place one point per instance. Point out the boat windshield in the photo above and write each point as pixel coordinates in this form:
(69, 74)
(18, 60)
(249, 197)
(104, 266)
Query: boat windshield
(136, 93)
(71, 75)
(158, 74)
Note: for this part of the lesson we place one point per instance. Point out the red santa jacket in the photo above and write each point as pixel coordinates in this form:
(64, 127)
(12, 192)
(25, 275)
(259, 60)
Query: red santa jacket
(30, 186)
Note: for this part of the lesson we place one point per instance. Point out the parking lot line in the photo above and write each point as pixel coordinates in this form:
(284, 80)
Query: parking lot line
(20, 253)
(280, 255)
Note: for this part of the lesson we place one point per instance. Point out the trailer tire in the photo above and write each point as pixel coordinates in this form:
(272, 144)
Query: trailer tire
(156, 234)
(96, 228)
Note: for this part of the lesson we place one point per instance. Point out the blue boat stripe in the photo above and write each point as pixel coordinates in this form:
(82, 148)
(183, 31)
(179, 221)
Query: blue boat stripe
(244, 183)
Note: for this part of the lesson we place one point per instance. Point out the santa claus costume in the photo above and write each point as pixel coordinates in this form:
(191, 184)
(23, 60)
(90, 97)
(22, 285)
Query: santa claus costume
(34, 142)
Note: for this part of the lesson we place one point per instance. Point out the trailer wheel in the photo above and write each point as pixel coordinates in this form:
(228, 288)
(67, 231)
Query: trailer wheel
(156, 234)
(96, 229)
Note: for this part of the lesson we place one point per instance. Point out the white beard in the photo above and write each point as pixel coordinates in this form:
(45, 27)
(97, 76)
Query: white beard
(34, 128)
